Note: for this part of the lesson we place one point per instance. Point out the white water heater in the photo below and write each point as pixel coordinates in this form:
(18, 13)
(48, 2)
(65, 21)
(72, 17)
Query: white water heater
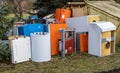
(41, 50)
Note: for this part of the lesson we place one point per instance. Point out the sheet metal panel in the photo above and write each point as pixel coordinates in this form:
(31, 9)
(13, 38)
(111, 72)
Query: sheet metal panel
(79, 23)
(41, 50)
(94, 41)
(21, 50)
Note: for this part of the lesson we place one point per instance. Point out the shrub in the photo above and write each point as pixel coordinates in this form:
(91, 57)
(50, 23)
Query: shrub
(5, 52)
(5, 22)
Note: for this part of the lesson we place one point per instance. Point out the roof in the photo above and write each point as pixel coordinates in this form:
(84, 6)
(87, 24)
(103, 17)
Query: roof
(107, 6)
(105, 26)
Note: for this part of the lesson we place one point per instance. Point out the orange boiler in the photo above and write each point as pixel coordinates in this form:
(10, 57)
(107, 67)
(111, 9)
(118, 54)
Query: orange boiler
(55, 35)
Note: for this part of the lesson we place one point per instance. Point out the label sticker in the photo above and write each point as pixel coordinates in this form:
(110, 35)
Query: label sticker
(63, 16)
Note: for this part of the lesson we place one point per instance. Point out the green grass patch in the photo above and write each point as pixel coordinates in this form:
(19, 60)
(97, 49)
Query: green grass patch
(76, 63)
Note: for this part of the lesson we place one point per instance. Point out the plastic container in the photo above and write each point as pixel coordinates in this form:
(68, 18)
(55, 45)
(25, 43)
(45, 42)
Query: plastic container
(30, 28)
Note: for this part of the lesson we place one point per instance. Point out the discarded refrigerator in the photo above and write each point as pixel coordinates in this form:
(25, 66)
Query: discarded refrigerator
(102, 38)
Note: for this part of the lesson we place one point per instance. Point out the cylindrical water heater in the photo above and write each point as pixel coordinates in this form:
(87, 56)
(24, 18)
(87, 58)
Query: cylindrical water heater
(41, 50)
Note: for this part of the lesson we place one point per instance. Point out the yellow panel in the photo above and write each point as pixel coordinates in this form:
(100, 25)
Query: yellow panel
(106, 51)
(93, 18)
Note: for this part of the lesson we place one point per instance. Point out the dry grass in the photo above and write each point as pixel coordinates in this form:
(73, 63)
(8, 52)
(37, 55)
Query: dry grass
(25, 15)
(77, 63)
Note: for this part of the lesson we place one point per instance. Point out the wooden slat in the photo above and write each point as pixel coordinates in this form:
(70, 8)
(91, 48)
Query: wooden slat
(107, 6)
(75, 3)
(113, 42)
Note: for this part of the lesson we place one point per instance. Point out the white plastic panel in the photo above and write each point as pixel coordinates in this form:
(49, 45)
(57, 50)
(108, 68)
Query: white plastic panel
(94, 41)
(79, 23)
(41, 50)
(21, 50)
(105, 26)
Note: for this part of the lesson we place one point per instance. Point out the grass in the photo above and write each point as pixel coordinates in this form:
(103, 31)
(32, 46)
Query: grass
(76, 63)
